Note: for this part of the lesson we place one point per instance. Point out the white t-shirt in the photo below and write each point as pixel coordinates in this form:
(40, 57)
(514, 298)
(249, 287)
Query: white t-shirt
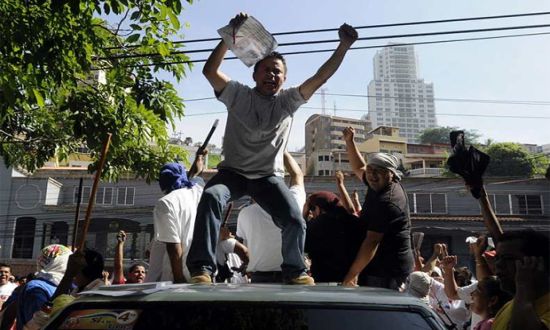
(5, 291)
(174, 221)
(224, 252)
(262, 237)
(456, 310)
(156, 259)
(465, 293)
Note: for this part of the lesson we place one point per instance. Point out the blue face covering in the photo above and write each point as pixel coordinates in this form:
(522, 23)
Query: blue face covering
(173, 176)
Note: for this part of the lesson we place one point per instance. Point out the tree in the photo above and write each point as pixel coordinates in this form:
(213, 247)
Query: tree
(188, 141)
(510, 159)
(51, 104)
(442, 135)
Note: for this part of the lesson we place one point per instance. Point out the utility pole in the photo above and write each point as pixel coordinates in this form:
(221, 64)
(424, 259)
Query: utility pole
(323, 100)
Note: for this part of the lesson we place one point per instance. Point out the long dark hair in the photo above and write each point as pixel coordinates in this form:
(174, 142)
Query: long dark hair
(490, 287)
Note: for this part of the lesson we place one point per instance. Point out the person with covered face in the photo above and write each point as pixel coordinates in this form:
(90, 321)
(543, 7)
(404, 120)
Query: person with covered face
(256, 133)
(333, 236)
(174, 219)
(23, 303)
(385, 257)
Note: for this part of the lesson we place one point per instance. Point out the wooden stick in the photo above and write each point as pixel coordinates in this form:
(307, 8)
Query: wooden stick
(77, 215)
(229, 208)
(193, 168)
(94, 190)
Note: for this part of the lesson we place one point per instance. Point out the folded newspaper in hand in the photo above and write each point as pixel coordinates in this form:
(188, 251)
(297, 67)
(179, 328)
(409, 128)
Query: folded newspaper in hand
(417, 240)
(250, 42)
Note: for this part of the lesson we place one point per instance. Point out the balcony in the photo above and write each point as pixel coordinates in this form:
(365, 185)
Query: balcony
(426, 172)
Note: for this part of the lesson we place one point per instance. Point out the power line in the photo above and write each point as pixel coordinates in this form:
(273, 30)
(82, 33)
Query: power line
(443, 114)
(366, 110)
(406, 98)
(310, 42)
(331, 50)
(447, 99)
(451, 20)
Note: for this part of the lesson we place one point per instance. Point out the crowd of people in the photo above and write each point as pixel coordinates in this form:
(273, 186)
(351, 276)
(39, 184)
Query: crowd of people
(284, 236)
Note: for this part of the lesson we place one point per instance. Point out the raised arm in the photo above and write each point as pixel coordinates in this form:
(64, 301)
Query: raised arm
(431, 263)
(489, 217)
(346, 199)
(451, 288)
(357, 162)
(482, 268)
(296, 174)
(211, 69)
(198, 165)
(347, 35)
(118, 276)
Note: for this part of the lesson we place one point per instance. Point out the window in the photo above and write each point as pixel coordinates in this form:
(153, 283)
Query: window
(23, 240)
(516, 204)
(251, 315)
(427, 203)
(86, 192)
(104, 195)
(527, 204)
(125, 195)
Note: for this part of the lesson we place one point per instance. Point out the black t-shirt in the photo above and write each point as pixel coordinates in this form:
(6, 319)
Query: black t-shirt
(387, 212)
(332, 242)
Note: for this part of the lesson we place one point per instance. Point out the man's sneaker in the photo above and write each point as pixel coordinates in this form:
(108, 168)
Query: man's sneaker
(201, 278)
(302, 280)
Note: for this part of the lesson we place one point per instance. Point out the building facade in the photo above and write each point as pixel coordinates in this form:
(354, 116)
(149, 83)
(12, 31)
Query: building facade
(397, 96)
(324, 140)
(40, 209)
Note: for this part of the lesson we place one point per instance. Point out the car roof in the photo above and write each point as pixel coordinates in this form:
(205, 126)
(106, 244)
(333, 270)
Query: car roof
(263, 293)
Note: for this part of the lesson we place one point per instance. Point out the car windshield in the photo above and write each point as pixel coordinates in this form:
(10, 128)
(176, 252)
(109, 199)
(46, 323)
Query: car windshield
(234, 315)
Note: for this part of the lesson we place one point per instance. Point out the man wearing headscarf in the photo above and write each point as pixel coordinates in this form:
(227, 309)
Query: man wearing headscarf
(385, 256)
(174, 220)
(51, 264)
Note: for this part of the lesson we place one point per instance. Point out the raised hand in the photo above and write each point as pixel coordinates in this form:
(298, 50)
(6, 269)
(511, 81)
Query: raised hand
(349, 133)
(238, 19)
(348, 35)
(448, 263)
(479, 246)
(339, 177)
(121, 236)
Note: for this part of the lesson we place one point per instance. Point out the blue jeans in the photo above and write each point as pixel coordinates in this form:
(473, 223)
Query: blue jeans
(272, 194)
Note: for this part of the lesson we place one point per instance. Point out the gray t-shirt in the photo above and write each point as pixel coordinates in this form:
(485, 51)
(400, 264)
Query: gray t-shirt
(257, 129)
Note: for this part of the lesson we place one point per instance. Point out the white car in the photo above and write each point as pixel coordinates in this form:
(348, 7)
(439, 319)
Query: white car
(250, 306)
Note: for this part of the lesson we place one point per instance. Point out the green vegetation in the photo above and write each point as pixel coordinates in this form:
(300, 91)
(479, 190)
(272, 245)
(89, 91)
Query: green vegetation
(50, 102)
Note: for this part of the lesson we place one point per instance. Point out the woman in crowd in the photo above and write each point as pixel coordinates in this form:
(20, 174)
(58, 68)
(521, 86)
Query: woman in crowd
(487, 299)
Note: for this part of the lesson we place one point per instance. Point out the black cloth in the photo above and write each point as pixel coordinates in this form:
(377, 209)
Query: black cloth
(332, 242)
(387, 212)
(468, 163)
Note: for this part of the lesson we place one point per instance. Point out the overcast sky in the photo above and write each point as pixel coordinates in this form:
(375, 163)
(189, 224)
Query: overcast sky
(512, 69)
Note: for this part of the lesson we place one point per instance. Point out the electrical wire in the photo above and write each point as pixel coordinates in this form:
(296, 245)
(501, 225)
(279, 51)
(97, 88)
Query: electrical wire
(451, 20)
(310, 42)
(439, 99)
(160, 64)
